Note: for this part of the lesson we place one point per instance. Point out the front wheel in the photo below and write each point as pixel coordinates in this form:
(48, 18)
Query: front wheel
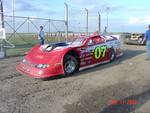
(70, 64)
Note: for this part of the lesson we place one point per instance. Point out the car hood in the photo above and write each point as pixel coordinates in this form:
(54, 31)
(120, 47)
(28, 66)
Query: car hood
(43, 54)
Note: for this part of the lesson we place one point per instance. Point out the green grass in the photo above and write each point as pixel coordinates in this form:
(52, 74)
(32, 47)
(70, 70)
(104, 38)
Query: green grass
(23, 43)
(17, 51)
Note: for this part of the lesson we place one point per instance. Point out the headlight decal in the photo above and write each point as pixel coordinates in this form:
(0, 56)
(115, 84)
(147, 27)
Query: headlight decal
(42, 66)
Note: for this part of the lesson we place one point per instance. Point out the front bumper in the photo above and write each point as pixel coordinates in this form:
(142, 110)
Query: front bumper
(40, 73)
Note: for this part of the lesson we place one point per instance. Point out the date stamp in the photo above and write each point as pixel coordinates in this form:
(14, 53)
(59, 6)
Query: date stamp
(123, 102)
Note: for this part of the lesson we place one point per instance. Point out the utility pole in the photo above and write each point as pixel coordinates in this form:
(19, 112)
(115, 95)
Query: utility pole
(66, 21)
(13, 9)
(99, 23)
(28, 25)
(79, 27)
(107, 12)
(2, 48)
(87, 21)
(49, 27)
(2, 14)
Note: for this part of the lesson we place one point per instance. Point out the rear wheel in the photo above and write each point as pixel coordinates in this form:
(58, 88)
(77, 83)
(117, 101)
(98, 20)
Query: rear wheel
(70, 64)
(112, 55)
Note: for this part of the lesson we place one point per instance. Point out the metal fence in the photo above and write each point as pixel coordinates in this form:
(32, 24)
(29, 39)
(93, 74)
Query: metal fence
(29, 26)
(23, 32)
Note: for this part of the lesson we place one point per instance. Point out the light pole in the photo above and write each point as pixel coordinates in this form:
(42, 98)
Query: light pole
(66, 21)
(107, 12)
(2, 13)
(87, 21)
(2, 48)
(13, 10)
(79, 28)
(99, 23)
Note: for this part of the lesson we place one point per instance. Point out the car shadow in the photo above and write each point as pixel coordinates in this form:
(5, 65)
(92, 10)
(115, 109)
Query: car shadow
(127, 54)
(136, 44)
(129, 104)
(99, 100)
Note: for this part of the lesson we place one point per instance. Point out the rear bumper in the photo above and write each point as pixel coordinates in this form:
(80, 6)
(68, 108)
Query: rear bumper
(136, 42)
(39, 73)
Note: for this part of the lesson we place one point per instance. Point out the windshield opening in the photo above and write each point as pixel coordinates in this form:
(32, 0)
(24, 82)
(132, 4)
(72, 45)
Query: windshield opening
(79, 41)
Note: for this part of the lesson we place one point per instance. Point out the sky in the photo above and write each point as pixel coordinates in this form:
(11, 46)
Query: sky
(123, 15)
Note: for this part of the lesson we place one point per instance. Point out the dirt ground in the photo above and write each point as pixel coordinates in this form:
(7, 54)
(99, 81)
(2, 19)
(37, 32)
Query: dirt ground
(89, 91)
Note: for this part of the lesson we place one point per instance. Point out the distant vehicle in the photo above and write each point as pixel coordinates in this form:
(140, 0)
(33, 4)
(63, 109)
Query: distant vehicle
(134, 38)
(53, 59)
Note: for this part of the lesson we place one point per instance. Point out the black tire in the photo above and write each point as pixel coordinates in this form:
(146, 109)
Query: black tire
(71, 61)
(112, 55)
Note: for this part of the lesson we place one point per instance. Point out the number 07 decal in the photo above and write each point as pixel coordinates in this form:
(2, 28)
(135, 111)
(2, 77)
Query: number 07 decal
(100, 52)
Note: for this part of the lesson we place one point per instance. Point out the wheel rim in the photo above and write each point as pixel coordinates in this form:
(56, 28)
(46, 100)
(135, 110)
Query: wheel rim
(70, 66)
(112, 55)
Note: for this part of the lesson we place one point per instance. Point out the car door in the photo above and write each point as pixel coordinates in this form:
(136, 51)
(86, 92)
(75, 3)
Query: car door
(100, 50)
(95, 51)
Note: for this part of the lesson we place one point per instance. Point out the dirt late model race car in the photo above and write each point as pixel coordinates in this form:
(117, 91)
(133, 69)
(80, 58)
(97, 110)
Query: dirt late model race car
(47, 60)
(135, 38)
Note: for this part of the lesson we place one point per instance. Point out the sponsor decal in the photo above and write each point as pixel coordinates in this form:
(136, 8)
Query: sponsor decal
(91, 53)
(59, 48)
(57, 64)
(41, 48)
(83, 48)
(78, 49)
(89, 62)
(100, 52)
(82, 60)
(82, 55)
(83, 63)
(40, 57)
(87, 54)
(89, 58)
(25, 69)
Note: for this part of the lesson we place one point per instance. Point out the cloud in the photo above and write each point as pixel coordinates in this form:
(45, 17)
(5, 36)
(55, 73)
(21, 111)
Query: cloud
(138, 21)
(86, 2)
(28, 8)
(20, 6)
(23, 6)
(90, 4)
(95, 6)
(138, 9)
(7, 7)
(134, 20)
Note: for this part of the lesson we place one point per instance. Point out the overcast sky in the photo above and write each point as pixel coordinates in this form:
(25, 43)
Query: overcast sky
(124, 15)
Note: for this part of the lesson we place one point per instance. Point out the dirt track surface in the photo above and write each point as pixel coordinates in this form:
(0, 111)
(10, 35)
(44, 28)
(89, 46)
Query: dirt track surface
(89, 91)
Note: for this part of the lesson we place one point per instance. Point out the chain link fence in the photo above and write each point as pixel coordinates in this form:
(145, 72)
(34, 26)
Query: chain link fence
(22, 32)
(83, 20)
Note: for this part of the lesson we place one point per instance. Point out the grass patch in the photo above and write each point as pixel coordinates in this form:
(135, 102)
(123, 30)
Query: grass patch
(23, 43)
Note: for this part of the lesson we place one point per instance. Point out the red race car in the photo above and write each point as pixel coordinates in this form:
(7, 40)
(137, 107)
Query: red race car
(54, 59)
